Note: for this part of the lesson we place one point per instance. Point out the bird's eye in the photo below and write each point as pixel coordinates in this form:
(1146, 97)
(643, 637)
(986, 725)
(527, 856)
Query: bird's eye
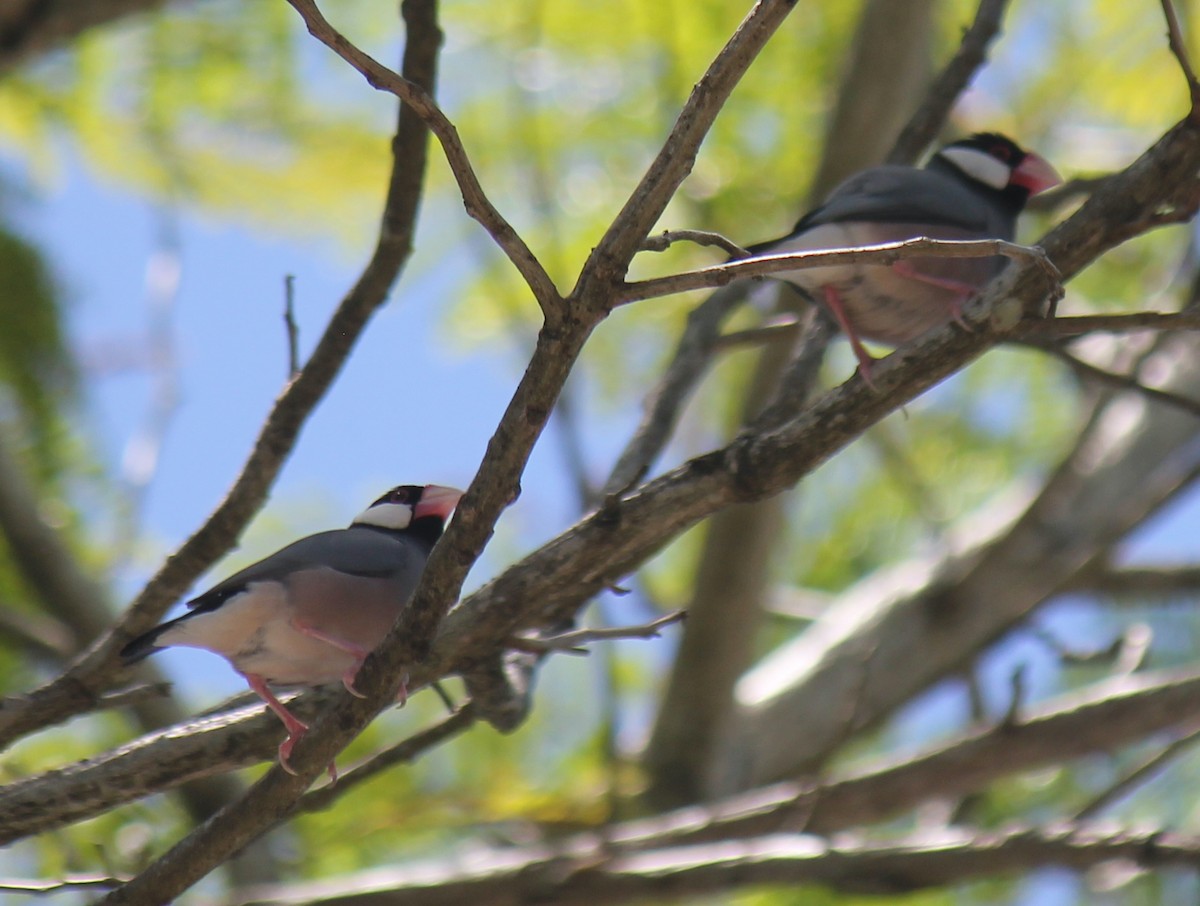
(1001, 152)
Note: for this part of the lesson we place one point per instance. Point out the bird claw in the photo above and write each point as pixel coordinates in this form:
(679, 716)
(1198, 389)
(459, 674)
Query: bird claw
(348, 682)
(285, 753)
(402, 692)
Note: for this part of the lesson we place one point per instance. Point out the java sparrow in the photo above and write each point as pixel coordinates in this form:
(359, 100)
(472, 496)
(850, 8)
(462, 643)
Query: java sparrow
(973, 188)
(310, 613)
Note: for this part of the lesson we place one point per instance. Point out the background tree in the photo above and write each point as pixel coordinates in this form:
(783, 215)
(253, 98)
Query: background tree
(930, 667)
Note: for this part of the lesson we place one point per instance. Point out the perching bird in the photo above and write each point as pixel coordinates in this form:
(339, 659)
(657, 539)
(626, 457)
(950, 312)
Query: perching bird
(310, 613)
(971, 189)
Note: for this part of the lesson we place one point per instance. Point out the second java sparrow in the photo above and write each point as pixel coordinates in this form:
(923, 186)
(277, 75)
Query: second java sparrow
(311, 612)
(973, 188)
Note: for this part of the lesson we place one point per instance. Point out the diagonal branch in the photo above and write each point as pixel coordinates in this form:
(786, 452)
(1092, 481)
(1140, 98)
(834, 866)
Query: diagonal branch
(950, 83)
(610, 259)
(418, 98)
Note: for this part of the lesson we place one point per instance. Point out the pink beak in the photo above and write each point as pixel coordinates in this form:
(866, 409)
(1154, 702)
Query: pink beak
(437, 500)
(1035, 174)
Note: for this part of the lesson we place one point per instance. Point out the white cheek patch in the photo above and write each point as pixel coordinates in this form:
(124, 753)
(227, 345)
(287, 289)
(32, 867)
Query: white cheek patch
(979, 165)
(394, 516)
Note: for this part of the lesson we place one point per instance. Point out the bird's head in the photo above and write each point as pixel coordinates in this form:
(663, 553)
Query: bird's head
(999, 163)
(411, 506)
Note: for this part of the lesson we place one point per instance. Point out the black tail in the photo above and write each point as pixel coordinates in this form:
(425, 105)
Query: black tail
(145, 644)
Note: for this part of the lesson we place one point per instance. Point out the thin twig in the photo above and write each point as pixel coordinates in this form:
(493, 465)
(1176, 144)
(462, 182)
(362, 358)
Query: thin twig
(121, 698)
(1136, 775)
(289, 323)
(421, 102)
(401, 753)
(1169, 582)
(1078, 187)
(1179, 48)
(660, 242)
(1078, 325)
(779, 328)
(1018, 690)
(571, 641)
(664, 404)
(923, 126)
(1120, 381)
(57, 885)
(886, 253)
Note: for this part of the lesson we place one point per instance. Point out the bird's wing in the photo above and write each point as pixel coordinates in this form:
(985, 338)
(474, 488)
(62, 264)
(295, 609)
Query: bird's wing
(894, 194)
(356, 551)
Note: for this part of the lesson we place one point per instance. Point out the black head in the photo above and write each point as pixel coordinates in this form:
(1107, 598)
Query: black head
(997, 166)
(421, 510)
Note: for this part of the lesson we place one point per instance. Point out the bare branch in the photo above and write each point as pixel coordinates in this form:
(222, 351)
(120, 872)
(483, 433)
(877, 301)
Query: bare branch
(289, 324)
(1078, 325)
(571, 641)
(779, 328)
(664, 405)
(609, 260)
(1153, 582)
(884, 254)
(1179, 48)
(1120, 381)
(402, 753)
(664, 240)
(1137, 775)
(58, 885)
(593, 876)
(419, 100)
(923, 126)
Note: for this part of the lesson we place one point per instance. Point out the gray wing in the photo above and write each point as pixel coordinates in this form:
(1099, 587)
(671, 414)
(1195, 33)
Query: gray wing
(356, 551)
(895, 194)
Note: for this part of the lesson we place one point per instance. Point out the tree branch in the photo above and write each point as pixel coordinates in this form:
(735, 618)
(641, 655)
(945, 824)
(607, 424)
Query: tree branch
(950, 83)
(883, 254)
(419, 99)
(921, 859)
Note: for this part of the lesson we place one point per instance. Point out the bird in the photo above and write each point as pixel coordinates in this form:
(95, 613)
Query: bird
(973, 188)
(311, 612)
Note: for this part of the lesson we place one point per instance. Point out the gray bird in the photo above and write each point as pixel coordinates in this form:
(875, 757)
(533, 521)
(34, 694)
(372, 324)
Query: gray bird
(971, 189)
(310, 613)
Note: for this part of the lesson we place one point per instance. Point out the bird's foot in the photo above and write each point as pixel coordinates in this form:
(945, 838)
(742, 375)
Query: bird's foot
(833, 301)
(296, 728)
(358, 652)
(962, 291)
(285, 753)
(348, 680)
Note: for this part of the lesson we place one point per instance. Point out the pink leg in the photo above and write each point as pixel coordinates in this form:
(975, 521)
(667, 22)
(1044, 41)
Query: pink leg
(356, 651)
(834, 303)
(294, 725)
(963, 291)
(359, 653)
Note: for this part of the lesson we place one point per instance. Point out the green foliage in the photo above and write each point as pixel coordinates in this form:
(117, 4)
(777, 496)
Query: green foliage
(36, 375)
